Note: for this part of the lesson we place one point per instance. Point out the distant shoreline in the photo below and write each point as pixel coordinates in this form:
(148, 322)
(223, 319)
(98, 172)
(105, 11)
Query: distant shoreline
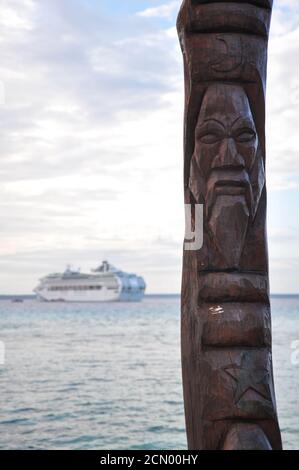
(147, 296)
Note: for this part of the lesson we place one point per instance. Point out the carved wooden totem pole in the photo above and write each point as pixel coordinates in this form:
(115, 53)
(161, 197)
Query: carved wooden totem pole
(226, 321)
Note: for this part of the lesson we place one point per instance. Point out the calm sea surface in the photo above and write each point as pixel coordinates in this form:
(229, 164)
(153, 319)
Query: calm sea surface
(107, 376)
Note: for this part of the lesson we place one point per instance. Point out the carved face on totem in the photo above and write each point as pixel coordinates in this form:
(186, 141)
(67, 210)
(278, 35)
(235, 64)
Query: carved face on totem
(226, 171)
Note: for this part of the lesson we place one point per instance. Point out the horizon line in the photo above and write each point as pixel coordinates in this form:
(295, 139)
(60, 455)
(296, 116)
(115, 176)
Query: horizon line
(165, 294)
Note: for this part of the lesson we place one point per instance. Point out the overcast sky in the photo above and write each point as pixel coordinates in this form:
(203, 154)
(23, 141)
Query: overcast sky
(91, 160)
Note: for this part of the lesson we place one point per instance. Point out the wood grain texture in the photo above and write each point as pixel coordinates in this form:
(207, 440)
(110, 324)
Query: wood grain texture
(226, 319)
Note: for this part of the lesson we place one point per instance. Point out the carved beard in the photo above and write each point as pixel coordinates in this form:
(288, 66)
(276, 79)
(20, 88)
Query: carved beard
(229, 209)
(229, 223)
(228, 216)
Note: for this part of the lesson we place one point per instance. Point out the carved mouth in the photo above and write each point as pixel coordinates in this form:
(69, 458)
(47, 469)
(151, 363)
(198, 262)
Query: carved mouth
(231, 187)
(228, 183)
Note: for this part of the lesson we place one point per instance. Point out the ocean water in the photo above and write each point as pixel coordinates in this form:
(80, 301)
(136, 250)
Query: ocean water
(107, 376)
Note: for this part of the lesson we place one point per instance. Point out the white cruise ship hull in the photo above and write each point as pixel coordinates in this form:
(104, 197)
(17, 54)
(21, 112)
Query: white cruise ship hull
(106, 284)
(104, 296)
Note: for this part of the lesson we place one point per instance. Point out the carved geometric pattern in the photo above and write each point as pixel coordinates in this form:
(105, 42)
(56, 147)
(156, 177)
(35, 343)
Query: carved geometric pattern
(248, 376)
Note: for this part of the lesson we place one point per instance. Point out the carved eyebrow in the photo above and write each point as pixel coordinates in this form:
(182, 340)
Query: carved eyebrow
(246, 122)
(208, 120)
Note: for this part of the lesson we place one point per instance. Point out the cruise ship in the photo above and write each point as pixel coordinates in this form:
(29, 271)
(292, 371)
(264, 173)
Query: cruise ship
(103, 284)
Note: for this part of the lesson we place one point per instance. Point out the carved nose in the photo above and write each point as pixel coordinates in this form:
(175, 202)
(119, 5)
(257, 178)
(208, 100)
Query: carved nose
(228, 155)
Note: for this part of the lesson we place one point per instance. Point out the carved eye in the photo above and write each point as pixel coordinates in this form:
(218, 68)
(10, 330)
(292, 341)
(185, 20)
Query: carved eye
(210, 138)
(245, 135)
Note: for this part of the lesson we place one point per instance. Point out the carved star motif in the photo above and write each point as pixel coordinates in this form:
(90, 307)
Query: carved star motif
(248, 376)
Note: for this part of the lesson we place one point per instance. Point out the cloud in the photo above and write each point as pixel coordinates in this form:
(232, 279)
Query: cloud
(167, 10)
(91, 135)
(282, 97)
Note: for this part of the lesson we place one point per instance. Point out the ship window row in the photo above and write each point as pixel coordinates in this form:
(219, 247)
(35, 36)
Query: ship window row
(73, 288)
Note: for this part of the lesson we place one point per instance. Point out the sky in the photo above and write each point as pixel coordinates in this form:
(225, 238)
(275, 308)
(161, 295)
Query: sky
(91, 153)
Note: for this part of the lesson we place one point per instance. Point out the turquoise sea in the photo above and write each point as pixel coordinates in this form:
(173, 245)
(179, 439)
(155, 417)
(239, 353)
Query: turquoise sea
(107, 376)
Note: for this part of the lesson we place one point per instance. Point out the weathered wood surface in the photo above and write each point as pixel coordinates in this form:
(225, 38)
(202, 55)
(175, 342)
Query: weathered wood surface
(226, 321)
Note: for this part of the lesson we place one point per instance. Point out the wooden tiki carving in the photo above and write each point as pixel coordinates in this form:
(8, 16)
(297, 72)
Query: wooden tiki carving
(226, 321)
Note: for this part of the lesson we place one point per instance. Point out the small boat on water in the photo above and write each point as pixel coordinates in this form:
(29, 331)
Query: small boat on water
(103, 284)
